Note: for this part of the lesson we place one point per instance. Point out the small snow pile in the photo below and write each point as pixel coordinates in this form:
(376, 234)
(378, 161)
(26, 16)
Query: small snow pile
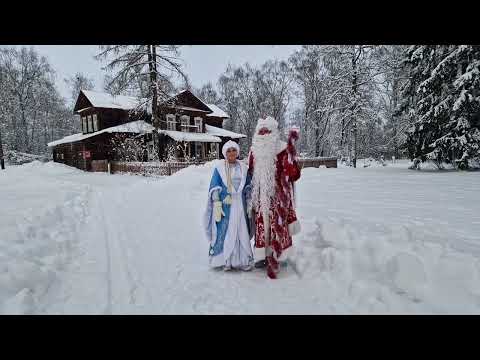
(18, 158)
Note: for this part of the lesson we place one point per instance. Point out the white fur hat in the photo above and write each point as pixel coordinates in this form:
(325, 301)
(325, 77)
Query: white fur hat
(269, 122)
(230, 144)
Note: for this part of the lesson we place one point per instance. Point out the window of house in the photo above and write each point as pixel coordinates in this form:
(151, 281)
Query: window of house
(198, 124)
(213, 150)
(171, 123)
(84, 124)
(89, 122)
(185, 122)
(95, 122)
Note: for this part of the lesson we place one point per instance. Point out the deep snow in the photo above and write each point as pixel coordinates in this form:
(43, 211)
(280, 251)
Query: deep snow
(373, 240)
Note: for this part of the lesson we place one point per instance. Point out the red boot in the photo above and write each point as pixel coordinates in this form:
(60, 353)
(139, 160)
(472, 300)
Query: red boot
(270, 273)
(272, 267)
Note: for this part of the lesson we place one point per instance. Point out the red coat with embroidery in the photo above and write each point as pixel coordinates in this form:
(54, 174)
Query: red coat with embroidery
(282, 211)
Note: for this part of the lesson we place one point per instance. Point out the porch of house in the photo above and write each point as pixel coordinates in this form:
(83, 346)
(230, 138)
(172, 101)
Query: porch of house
(183, 146)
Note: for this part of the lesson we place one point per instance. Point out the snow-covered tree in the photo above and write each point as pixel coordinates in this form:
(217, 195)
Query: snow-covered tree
(443, 98)
(32, 112)
(389, 83)
(337, 88)
(311, 78)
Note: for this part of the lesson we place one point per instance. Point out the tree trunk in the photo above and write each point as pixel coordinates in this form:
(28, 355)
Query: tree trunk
(395, 119)
(354, 88)
(317, 137)
(152, 59)
(2, 161)
(152, 63)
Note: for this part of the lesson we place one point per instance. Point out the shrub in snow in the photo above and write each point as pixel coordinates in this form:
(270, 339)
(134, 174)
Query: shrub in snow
(18, 158)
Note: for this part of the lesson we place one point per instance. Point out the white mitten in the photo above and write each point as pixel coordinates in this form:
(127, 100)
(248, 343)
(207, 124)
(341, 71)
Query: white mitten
(218, 211)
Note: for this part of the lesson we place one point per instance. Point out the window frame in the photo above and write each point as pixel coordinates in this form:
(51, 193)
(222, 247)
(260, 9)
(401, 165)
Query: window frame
(184, 127)
(171, 122)
(198, 123)
(89, 123)
(95, 122)
(84, 124)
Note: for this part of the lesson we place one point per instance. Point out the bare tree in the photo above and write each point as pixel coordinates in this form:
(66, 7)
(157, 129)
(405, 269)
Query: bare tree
(250, 93)
(149, 69)
(134, 65)
(78, 82)
(32, 112)
(208, 94)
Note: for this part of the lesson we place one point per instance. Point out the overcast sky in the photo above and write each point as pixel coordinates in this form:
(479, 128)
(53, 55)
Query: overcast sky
(203, 63)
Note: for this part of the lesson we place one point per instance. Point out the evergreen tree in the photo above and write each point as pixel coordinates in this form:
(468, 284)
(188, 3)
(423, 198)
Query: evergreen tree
(442, 95)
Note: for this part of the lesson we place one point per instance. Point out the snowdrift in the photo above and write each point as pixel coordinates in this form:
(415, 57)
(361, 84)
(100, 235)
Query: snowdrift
(381, 239)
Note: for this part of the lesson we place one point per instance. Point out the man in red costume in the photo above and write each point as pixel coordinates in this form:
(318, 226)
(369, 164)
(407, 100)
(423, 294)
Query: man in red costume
(274, 169)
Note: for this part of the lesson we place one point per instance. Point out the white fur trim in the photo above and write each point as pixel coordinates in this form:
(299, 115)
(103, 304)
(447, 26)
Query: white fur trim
(269, 122)
(220, 166)
(294, 228)
(230, 144)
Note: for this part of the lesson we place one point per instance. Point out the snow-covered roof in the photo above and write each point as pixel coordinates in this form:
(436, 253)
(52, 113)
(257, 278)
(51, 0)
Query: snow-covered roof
(136, 127)
(67, 139)
(213, 130)
(106, 100)
(187, 136)
(217, 112)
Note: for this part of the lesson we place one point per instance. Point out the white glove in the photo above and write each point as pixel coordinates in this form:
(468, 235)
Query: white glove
(218, 211)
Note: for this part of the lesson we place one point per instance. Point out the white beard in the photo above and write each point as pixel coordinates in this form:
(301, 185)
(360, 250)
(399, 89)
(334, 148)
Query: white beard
(265, 148)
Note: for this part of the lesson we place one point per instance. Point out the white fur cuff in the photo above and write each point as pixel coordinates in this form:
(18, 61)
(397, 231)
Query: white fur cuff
(294, 228)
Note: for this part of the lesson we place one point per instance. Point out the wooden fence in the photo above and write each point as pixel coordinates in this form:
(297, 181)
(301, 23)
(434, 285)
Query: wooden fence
(329, 162)
(169, 168)
(145, 168)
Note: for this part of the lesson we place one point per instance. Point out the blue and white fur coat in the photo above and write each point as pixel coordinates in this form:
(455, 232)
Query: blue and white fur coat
(229, 239)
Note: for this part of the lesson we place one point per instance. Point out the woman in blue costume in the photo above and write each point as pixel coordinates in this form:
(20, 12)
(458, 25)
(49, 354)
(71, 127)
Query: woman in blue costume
(226, 221)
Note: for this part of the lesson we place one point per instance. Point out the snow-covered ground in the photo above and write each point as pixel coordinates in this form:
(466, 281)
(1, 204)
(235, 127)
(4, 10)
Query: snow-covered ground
(373, 240)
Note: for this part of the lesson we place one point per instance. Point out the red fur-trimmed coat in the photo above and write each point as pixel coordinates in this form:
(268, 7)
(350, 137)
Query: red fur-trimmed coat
(282, 211)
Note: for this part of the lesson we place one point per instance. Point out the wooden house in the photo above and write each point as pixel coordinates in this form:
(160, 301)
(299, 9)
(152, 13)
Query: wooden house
(188, 129)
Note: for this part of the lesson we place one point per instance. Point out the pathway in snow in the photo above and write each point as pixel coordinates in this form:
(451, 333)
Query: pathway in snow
(375, 240)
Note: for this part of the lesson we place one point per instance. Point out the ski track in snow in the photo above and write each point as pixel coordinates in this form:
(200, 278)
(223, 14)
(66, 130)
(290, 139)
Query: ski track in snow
(374, 240)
